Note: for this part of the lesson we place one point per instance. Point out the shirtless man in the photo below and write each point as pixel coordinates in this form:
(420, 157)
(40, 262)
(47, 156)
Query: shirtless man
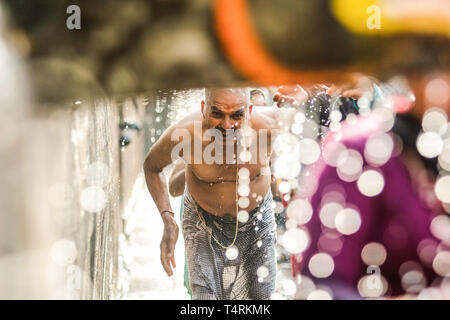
(223, 255)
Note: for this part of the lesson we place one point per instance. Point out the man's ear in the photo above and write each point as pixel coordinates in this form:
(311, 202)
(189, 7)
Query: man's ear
(250, 108)
(203, 107)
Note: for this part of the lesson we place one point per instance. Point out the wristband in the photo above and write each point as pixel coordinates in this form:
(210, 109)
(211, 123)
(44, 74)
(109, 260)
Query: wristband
(167, 211)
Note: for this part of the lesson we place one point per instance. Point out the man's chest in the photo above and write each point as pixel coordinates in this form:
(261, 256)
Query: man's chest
(216, 173)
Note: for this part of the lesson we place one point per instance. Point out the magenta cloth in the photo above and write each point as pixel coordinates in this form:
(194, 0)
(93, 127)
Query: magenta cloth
(396, 218)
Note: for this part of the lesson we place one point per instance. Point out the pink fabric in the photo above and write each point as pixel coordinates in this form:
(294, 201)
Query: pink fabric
(396, 218)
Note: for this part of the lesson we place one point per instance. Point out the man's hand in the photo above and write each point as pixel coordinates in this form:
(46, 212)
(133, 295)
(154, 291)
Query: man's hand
(355, 87)
(168, 242)
(292, 94)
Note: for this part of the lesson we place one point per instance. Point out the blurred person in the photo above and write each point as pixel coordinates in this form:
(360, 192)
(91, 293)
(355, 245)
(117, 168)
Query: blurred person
(394, 223)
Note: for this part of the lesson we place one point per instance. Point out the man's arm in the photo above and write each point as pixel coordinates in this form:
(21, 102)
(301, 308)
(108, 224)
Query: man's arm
(177, 179)
(157, 159)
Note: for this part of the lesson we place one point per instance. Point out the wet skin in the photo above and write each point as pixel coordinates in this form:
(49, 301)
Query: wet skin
(213, 186)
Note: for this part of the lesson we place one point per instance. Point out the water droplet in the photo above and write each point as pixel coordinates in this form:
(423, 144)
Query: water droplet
(300, 211)
(93, 199)
(243, 216)
(262, 272)
(321, 265)
(243, 202)
(442, 189)
(295, 240)
(232, 253)
(370, 183)
(374, 254)
(430, 144)
(347, 221)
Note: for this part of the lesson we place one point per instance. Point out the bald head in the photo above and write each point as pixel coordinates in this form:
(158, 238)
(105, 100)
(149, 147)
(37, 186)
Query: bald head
(225, 108)
(237, 95)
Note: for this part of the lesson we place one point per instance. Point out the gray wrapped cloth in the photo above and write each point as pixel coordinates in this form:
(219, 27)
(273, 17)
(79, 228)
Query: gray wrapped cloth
(212, 276)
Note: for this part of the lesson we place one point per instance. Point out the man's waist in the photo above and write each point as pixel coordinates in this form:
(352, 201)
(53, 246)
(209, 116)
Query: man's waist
(211, 206)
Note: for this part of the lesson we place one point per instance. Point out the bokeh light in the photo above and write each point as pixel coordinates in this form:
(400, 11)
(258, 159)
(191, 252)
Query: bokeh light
(243, 202)
(328, 214)
(319, 295)
(243, 216)
(335, 115)
(372, 286)
(430, 144)
(243, 190)
(232, 253)
(430, 294)
(98, 174)
(331, 152)
(373, 254)
(440, 227)
(348, 221)
(295, 240)
(435, 120)
(243, 173)
(286, 167)
(350, 164)
(441, 263)
(262, 272)
(437, 91)
(378, 149)
(284, 187)
(286, 143)
(413, 281)
(444, 157)
(442, 189)
(427, 249)
(331, 242)
(300, 211)
(321, 265)
(385, 117)
(370, 183)
(309, 151)
(93, 199)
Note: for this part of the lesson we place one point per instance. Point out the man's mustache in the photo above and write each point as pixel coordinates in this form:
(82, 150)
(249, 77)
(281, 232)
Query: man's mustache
(224, 132)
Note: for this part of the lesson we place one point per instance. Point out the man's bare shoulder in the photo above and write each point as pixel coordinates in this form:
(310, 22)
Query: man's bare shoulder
(264, 119)
(271, 118)
(188, 121)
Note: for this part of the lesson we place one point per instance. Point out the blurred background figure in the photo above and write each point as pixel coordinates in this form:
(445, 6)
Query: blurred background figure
(372, 199)
(26, 269)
